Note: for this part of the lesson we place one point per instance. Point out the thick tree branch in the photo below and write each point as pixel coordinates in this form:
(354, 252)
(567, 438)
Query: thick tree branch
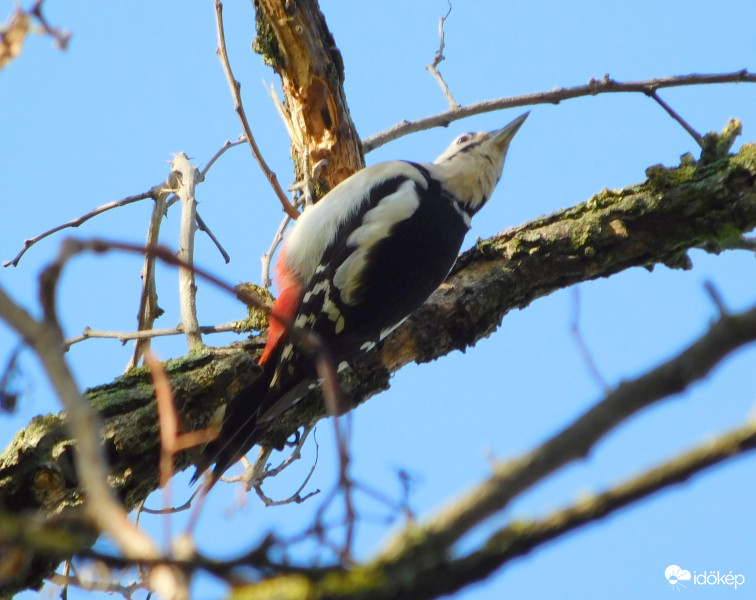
(653, 222)
(575, 441)
(293, 38)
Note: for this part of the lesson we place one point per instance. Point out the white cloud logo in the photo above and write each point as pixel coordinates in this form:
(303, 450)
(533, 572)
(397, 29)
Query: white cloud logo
(675, 575)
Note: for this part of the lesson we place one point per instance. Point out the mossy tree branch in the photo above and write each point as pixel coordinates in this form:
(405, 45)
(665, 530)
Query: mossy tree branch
(707, 203)
(657, 221)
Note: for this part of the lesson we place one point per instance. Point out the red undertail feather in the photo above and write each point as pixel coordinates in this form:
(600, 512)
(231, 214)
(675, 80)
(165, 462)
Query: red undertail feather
(285, 306)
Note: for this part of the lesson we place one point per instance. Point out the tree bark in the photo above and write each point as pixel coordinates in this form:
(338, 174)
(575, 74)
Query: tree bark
(704, 204)
(294, 40)
(707, 203)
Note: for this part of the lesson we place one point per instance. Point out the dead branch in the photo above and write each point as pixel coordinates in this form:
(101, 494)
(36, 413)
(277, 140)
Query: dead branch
(187, 176)
(439, 56)
(594, 87)
(239, 108)
(653, 222)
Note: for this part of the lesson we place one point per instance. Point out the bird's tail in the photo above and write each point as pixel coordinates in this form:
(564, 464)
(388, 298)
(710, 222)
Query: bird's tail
(240, 430)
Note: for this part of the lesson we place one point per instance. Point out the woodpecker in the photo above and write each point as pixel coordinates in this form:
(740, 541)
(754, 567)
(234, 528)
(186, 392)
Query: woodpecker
(355, 266)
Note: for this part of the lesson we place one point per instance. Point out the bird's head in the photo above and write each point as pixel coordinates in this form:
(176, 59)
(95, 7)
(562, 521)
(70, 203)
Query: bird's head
(471, 166)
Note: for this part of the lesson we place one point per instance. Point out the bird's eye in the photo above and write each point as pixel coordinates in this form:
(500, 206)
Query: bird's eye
(465, 137)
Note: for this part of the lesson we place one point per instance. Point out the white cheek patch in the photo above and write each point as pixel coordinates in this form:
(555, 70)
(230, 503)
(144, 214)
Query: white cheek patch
(375, 226)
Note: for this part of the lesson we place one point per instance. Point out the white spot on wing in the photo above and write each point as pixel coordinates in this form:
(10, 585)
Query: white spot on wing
(317, 289)
(333, 312)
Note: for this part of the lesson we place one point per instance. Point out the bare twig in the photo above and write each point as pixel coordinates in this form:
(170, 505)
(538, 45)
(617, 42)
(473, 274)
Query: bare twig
(672, 113)
(227, 145)
(255, 482)
(8, 396)
(173, 509)
(716, 298)
(186, 174)
(432, 67)
(202, 226)
(78, 221)
(201, 177)
(152, 193)
(168, 419)
(148, 301)
(255, 474)
(592, 88)
(239, 108)
(580, 341)
(295, 498)
(101, 584)
(125, 336)
(61, 36)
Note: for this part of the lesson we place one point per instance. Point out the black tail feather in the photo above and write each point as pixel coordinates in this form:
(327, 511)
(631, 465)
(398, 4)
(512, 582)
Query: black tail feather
(239, 432)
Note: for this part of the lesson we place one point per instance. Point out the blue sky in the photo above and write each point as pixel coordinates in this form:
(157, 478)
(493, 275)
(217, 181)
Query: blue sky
(141, 81)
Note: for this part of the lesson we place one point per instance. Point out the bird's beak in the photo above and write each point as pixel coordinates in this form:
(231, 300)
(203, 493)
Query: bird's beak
(502, 137)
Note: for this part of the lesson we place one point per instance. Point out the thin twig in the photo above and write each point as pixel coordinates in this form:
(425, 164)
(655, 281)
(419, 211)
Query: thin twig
(592, 88)
(8, 397)
(296, 454)
(201, 177)
(227, 145)
(580, 341)
(78, 221)
(716, 298)
(432, 67)
(203, 227)
(61, 36)
(672, 113)
(126, 336)
(255, 474)
(99, 585)
(173, 509)
(239, 108)
(129, 200)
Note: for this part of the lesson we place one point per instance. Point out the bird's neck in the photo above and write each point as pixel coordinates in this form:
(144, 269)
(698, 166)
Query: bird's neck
(468, 178)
